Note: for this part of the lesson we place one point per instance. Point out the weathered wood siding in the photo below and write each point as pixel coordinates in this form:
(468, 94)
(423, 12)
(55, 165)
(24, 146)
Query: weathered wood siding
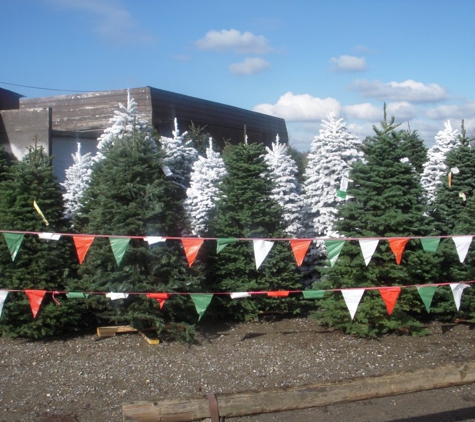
(9, 100)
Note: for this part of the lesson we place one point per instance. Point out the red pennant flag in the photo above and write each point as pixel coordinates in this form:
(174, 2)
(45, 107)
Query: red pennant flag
(35, 297)
(192, 246)
(279, 293)
(390, 296)
(397, 245)
(160, 297)
(82, 246)
(299, 248)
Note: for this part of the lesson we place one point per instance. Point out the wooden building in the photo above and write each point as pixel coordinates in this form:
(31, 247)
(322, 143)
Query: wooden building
(59, 122)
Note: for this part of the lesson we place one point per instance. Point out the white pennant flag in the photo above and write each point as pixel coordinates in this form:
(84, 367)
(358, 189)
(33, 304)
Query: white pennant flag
(368, 246)
(154, 239)
(462, 243)
(352, 299)
(261, 249)
(457, 290)
(239, 295)
(115, 296)
(3, 296)
(49, 236)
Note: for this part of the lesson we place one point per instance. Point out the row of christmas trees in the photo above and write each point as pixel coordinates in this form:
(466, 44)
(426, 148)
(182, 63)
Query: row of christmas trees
(140, 184)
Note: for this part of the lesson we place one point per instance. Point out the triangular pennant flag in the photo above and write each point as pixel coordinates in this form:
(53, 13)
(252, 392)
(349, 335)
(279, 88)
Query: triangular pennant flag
(239, 295)
(397, 245)
(222, 243)
(119, 246)
(352, 299)
(192, 247)
(201, 302)
(49, 236)
(462, 244)
(35, 297)
(457, 290)
(3, 296)
(13, 242)
(313, 294)
(368, 246)
(390, 295)
(299, 248)
(160, 298)
(116, 296)
(82, 244)
(430, 244)
(77, 295)
(333, 248)
(427, 294)
(278, 293)
(261, 249)
(151, 240)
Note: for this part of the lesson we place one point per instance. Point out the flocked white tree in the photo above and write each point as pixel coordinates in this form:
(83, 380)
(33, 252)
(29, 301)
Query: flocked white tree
(286, 188)
(77, 180)
(205, 176)
(126, 120)
(179, 157)
(435, 167)
(332, 153)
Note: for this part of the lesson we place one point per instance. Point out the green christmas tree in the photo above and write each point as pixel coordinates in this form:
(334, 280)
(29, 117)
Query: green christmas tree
(386, 202)
(28, 262)
(413, 147)
(129, 195)
(245, 210)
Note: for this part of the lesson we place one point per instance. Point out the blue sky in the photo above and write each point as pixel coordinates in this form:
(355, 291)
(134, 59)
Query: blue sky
(299, 60)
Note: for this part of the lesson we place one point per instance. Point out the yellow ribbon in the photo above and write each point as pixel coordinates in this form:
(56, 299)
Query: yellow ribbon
(37, 208)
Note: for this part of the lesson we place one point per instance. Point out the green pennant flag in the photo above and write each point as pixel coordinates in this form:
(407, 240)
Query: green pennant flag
(426, 293)
(313, 294)
(77, 295)
(119, 246)
(201, 302)
(333, 249)
(430, 244)
(222, 243)
(13, 242)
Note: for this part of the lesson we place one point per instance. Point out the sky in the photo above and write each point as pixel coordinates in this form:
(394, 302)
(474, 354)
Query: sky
(299, 60)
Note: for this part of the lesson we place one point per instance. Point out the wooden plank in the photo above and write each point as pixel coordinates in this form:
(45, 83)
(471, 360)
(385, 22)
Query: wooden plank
(323, 394)
(112, 331)
(150, 338)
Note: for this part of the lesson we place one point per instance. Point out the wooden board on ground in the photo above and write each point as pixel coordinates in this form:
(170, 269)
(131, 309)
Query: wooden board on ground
(315, 395)
(112, 331)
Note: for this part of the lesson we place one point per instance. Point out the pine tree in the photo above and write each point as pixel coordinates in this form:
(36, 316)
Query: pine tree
(6, 162)
(435, 167)
(414, 149)
(78, 176)
(202, 194)
(386, 202)
(286, 188)
(245, 210)
(129, 195)
(39, 264)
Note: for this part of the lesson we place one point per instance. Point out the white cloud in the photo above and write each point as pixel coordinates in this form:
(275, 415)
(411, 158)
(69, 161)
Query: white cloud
(113, 22)
(364, 111)
(249, 66)
(348, 64)
(234, 40)
(300, 108)
(408, 90)
(452, 111)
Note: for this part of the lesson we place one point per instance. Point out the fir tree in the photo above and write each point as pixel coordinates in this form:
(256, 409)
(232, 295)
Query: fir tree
(245, 209)
(39, 264)
(435, 167)
(129, 195)
(286, 188)
(77, 180)
(386, 203)
(414, 149)
(202, 194)
(6, 162)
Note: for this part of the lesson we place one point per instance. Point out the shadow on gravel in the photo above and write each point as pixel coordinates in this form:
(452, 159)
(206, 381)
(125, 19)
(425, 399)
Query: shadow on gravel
(467, 414)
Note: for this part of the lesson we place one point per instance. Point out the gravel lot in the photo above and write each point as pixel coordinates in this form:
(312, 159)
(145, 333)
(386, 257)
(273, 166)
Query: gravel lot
(88, 379)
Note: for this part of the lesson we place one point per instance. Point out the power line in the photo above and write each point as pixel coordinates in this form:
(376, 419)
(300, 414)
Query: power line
(45, 89)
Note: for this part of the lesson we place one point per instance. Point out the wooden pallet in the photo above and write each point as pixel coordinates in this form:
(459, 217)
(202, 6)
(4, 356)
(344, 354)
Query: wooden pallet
(148, 335)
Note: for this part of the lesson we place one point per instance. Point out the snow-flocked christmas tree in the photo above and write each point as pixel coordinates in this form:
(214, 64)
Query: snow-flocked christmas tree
(286, 188)
(203, 191)
(435, 167)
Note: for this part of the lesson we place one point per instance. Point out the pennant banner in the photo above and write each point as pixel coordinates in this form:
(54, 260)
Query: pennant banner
(159, 297)
(427, 294)
(313, 294)
(13, 242)
(352, 299)
(261, 249)
(151, 240)
(239, 295)
(35, 297)
(192, 247)
(390, 295)
(299, 248)
(49, 236)
(430, 244)
(119, 246)
(368, 246)
(462, 244)
(116, 296)
(77, 295)
(333, 248)
(82, 244)
(397, 245)
(222, 243)
(278, 293)
(457, 291)
(201, 302)
(3, 296)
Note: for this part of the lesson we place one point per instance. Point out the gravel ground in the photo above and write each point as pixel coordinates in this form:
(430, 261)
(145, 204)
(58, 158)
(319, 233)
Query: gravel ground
(88, 379)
